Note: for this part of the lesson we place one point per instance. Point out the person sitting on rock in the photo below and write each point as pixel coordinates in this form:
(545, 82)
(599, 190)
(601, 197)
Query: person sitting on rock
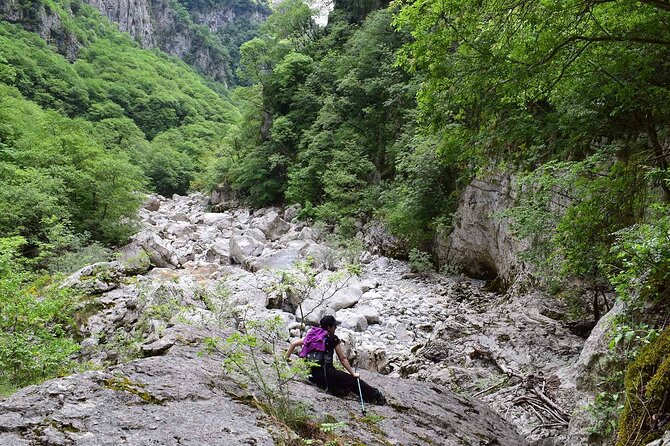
(318, 347)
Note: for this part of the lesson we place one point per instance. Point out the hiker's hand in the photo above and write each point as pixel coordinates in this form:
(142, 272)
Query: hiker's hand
(356, 375)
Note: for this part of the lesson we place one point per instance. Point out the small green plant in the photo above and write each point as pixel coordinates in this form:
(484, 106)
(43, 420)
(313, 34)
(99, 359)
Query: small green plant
(626, 341)
(254, 357)
(625, 335)
(605, 409)
(420, 261)
(331, 427)
(300, 284)
(218, 302)
(372, 418)
(348, 249)
(449, 269)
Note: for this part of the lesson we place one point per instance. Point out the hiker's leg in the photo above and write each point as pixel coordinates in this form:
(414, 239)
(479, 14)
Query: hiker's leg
(343, 382)
(370, 394)
(318, 377)
(339, 382)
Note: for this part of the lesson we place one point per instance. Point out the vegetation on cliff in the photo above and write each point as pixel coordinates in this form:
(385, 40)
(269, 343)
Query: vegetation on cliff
(80, 139)
(387, 115)
(80, 142)
(384, 114)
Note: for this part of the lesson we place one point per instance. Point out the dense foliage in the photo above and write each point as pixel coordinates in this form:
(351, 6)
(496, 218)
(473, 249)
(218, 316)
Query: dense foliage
(80, 141)
(145, 93)
(87, 126)
(388, 114)
(384, 114)
(330, 123)
(56, 177)
(36, 325)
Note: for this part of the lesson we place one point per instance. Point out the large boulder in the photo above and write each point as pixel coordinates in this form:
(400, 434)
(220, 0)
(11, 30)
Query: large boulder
(152, 204)
(352, 320)
(140, 403)
(283, 258)
(346, 297)
(181, 397)
(160, 252)
(328, 298)
(218, 252)
(102, 277)
(369, 312)
(372, 358)
(180, 230)
(243, 246)
(272, 225)
(292, 212)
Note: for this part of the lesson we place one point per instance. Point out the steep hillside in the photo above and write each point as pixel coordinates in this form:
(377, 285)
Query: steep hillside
(90, 120)
(147, 327)
(206, 35)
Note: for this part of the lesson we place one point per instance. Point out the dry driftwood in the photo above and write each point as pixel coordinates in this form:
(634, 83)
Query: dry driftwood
(548, 412)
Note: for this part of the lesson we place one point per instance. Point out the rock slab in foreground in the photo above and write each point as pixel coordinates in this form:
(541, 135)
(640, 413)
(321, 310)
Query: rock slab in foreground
(183, 399)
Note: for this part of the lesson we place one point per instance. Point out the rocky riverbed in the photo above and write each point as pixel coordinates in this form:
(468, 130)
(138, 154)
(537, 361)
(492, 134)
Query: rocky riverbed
(431, 335)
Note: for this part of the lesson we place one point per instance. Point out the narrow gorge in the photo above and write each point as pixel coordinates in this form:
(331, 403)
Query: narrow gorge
(428, 341)
(478, 191)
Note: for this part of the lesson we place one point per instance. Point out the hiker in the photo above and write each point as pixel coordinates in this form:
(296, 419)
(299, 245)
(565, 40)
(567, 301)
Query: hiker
(318, 346)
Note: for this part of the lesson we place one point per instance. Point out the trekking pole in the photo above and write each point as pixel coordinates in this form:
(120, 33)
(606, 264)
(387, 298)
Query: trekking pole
(360, 392)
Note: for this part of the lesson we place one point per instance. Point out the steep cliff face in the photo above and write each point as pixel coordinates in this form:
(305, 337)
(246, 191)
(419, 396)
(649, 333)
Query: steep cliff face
(187, 30)
(132, 16)
(43, 20)
(217, 17)
(482, 243)
(205, 35)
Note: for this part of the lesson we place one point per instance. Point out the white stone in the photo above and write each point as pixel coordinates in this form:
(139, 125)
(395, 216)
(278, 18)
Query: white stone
(272, 225)
(347, 297)
(352, 320)
(243, 247)
(370, 313)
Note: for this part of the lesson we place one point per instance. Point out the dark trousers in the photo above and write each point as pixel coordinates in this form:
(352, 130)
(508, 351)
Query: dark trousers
(340, 383)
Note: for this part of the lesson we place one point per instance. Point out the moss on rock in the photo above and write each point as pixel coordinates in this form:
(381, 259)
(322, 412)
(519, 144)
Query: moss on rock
(647, 394)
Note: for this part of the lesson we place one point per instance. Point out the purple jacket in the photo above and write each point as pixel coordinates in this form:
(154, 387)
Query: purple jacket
(315, 340)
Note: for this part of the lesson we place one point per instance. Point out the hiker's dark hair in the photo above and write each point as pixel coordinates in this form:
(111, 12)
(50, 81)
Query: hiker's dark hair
(328, 321)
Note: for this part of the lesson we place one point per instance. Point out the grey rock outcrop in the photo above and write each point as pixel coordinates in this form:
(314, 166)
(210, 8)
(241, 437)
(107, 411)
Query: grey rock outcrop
(580, 381)
(665, 441)
(153, 24)
(132, 16)
(183, 398)
(481, 243)
(424, 333)
(244, 246)
(46, 22)
(272, 225)
(163, 400)
(103, 276)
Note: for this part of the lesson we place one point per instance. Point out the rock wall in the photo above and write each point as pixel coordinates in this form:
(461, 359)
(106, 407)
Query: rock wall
(41, 19)
(162, 24)
(481, 243)
(182, 398)
(132, 16)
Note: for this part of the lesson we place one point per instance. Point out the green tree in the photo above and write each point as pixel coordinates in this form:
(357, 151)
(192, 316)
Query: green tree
(36, 326)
